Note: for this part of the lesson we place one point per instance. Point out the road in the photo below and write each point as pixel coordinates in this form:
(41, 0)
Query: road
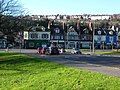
(109, 65)
(103, 64)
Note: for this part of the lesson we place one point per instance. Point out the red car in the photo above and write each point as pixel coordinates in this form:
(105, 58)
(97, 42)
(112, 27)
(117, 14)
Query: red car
(41, 50)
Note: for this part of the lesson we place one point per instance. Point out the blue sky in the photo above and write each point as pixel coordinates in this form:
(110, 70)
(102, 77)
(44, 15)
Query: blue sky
(71, 7)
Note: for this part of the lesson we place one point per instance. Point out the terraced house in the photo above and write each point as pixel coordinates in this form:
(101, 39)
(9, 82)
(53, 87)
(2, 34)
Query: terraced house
(72, 38)
(35, 39)
(57, 35)
(106, 38)
(71, 35)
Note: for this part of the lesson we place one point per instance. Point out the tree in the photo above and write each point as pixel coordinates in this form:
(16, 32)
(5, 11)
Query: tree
(10, 24)
(10, 7)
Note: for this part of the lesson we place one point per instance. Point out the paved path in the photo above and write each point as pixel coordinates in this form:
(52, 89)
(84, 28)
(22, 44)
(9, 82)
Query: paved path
(20, 50)
(103, 64)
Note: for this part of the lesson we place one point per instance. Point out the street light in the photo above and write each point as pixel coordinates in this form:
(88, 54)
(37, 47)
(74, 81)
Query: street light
(93, 42)
(67, 34)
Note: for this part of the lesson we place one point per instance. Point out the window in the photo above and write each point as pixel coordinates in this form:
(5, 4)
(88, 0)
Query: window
(0, 41)
(71, 45)
(111, 32)
(99, 32)
(51, 37)
(57, 37)
(86, 37)
(71, 33)
(31, 44)
(34, 35)
(61, 37)
(76, 37)
(111, 39)
(57, 30)
(45, 36)
(71, 37)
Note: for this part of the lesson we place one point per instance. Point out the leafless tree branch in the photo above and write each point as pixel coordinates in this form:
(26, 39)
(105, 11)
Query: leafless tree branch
(10, 7)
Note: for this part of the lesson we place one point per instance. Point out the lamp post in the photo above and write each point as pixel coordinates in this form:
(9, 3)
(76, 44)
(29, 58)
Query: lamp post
(7, 49)
(117, 45)
(67, 34)
(93, 42)
(92, 28)
(117, 39)
(103, 45)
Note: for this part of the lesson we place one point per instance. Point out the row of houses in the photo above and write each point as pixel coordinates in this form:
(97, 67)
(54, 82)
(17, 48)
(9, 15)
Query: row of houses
(85, 16)
(71, 38)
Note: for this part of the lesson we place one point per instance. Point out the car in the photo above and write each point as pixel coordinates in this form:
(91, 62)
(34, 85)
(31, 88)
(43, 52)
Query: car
(54, 51)
(41, 50)
(75, 51)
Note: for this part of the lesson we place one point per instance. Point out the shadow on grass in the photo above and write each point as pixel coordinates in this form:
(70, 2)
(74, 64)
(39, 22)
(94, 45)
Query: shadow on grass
(22, 64)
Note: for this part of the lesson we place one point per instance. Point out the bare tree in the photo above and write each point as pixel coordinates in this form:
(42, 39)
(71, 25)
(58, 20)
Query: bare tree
(10, 7)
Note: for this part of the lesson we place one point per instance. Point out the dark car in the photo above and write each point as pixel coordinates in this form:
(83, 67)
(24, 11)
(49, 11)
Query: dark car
(54, 51)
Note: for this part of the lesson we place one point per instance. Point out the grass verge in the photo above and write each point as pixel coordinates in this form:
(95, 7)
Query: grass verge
(20, 72)
(108, 53)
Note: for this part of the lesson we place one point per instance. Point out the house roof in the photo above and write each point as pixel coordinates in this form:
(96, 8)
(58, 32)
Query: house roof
(104, 32)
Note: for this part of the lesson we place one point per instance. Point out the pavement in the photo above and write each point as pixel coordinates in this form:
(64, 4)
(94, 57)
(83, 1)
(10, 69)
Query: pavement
(19, 50)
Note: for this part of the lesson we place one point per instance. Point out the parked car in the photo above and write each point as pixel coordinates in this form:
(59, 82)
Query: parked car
(54, 51)
(75, 51)
(41, 50)
(60, 50)
(47, 51)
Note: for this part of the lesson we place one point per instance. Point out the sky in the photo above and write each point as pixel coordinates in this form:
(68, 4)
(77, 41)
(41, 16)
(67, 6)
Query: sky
(71, 7)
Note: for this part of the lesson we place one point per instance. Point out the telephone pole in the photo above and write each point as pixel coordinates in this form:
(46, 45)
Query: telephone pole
(93, 42)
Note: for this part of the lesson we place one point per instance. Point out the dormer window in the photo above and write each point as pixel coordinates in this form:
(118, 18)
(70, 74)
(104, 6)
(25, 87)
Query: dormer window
(43, 28)
(99, 32)
(111, 32)
(57, 30)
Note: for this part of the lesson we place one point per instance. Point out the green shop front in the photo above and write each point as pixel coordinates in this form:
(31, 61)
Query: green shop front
(33, 44)
(33, 40)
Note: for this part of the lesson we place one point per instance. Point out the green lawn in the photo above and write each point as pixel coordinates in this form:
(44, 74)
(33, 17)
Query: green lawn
(20, 72)
(108, 53)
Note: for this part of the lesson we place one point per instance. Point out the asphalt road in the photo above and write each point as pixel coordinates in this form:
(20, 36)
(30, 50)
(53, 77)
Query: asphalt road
(99, 60)
(103, 64)
(111, 61)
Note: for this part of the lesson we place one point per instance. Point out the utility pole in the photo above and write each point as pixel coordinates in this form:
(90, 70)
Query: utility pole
(67, 34)
(92, 28)
(93, 42)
